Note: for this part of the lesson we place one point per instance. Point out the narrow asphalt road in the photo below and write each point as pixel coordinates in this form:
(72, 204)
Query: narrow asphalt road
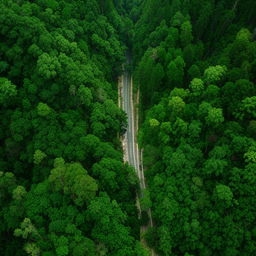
(130, 141)
(131, 150)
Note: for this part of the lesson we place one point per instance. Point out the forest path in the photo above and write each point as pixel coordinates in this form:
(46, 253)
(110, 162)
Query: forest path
(132, 154)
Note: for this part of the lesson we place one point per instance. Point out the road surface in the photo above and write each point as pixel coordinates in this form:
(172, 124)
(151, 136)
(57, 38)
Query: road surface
(130, 145)
(130, 142)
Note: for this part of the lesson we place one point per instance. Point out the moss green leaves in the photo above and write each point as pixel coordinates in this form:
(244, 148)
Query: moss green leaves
(59, 64)
(19, 193)
(72, 179)
(177, 104)
(85, 95)
(197, 85)
(214, 74)
(39, 156)
(224, 193)
(215, 116)
(154, 122)
(48, 66)
(43, 109)
(7, 90)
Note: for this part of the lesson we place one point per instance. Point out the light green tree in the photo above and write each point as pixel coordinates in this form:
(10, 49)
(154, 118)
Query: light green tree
(73, 180)
(7, 90)
(214, 74)
(177, 104)
(43, 109)
(39, 156)
(215, 116)
(197, 85)
(154, 122)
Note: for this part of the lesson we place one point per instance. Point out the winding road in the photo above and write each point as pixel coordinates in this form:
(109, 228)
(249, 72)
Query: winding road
(130, 145)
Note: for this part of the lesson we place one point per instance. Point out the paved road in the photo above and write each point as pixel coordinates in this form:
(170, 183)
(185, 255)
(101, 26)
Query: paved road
(131, 146)
(131, 150)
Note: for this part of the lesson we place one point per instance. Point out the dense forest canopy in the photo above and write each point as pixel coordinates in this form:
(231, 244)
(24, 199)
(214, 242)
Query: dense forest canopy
(64, 189)
(195, 65)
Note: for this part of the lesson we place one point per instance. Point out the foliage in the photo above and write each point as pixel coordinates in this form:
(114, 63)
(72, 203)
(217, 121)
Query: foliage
(198, 129)
(61, 165)
(64, 189)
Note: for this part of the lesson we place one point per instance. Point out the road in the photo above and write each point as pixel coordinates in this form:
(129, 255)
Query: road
(130, 142)
(130, 145)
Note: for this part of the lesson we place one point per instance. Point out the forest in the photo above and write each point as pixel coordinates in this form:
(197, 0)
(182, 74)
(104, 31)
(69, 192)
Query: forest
(64, 187)
(195, 64)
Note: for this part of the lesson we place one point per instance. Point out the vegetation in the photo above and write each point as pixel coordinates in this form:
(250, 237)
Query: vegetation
(195, 67)
(64, 189)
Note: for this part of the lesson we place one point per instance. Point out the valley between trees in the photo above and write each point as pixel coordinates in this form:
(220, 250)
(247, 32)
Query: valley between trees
(64, 187)
(132, 154)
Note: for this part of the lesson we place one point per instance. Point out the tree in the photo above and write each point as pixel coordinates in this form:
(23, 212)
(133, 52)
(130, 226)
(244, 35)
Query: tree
(182, 93)
(43, 109)
(85, 95)
(7, 90)
(215, 116)
(28, 231)
(108, 226)
(145, 201)
(224, 193)
(214, 74)
(59, 63)
(73, 180)
(197, 86)
(177, 19)
(240, 49)
(194, 72)
(154, 122)
(189, 54)
(39, 156)
(48, 66)
(186, 36)
(175, 72)
(115, 178)
(177, 105)
(250, 156)
(249, 106)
